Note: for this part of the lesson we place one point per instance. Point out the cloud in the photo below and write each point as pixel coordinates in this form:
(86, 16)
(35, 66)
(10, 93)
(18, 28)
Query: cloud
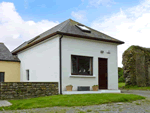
(79, 15)
(15, 30)
(96, 3)
(131, 26)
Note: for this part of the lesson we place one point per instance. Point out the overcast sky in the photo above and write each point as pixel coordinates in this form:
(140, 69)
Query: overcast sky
(126, 20)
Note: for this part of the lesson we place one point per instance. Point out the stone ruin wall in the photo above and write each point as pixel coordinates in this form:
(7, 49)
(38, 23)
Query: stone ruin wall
(136, 66)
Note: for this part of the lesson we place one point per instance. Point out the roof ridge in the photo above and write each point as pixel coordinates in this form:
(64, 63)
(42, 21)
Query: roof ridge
(65, 24)
(54, 27)
(46, 31)
(5, 54)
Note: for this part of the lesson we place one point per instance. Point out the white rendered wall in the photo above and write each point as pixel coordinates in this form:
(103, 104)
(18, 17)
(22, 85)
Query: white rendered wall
(85, 47)
(42, 60)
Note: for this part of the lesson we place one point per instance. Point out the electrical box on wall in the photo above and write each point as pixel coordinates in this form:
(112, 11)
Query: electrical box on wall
(108, 52)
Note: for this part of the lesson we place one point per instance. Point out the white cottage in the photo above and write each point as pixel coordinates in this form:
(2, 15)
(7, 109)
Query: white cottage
(71, 53)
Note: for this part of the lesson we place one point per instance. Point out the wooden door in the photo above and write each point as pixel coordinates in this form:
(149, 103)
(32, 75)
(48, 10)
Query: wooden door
(102, 80)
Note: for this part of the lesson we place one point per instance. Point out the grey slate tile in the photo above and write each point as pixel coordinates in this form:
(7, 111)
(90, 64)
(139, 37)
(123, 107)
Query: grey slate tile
(6, 55)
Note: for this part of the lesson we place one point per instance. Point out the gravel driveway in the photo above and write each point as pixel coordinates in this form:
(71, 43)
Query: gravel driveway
(138, 92)
(139, 106)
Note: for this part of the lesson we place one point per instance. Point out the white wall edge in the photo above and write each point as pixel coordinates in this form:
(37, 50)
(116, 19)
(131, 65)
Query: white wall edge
(91, 92)
(82, 76)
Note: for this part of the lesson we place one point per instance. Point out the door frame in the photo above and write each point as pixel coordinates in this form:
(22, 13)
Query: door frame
(98, 71)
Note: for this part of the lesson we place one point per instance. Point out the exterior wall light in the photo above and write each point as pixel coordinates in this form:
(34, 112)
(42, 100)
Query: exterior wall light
(102, 51)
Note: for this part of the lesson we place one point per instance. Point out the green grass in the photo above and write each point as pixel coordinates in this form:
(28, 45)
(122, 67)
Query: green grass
(81, 112)
(89, 110)
(122, 85)
(70, 100)
(136, 88)
(138, 103)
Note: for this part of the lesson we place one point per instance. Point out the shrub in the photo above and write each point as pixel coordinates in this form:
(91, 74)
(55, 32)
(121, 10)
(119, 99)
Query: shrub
(95, 85)
(120, 75)
(121, 79)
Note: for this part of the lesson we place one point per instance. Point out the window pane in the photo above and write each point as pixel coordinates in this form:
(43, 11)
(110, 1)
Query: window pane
(84, 65)
(27, 72)
(81, 65)
(74, 65)
(1, 76)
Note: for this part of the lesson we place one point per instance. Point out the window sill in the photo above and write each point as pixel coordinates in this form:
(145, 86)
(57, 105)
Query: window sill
(82, 76)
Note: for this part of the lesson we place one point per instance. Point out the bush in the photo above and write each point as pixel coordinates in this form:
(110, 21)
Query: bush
(121, 79)
(120, 75)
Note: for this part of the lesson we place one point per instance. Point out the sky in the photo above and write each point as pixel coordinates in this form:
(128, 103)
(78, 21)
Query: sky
(126, 20)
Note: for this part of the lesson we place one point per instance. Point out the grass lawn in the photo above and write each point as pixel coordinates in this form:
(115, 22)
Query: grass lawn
(120, 85)
(70, 100)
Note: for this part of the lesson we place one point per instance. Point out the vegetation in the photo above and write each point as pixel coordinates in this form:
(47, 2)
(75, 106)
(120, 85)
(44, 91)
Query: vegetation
(70, 85)
(89, 110)
(95, 85)
(121, 84)
(120, 75)
(70, 100)
(135, 63)
(129, 87)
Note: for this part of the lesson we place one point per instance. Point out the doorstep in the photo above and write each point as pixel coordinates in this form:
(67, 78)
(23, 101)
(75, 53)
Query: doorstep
(91, 92)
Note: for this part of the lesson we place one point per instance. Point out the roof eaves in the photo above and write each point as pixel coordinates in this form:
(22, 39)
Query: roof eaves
(18, 47)
(33, 43)
(10, 60)
(93, 38)
(68, 34)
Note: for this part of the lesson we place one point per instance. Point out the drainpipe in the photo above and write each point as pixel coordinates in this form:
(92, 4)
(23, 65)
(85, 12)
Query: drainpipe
(60, 64)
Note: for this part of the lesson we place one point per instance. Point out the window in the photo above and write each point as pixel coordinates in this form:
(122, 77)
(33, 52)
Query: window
(81, 65)
(2, 76)
(83, 28)
(27, 73)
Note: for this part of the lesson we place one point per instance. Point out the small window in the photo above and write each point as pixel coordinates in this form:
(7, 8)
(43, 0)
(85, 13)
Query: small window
(2, 76)
(27, 73)
(82, 65)
(83, 28)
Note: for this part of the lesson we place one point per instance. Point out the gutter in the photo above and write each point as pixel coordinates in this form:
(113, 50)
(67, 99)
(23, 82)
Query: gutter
(89, 37)
(60, 64)
(10, 60)
(33, 43)
(67, 34)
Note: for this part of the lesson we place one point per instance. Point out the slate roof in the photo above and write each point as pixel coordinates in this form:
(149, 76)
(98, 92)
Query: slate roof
(6, 55)
(69, 27)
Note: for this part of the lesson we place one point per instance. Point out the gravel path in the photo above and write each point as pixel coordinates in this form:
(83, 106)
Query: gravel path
(139, 106)
(138, 92)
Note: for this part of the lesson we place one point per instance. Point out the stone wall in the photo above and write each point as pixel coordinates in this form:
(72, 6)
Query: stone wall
(21, 90)
(147, 70)
(140, 70)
